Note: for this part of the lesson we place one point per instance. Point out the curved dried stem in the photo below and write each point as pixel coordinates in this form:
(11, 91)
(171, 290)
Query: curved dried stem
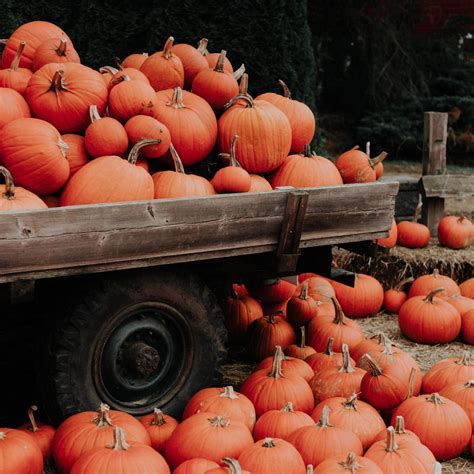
(178, 164)
(276, 364)
(403, 283)
(177, 99)
(168, 48)
(429, 297)
(31, 417)
(286, 91)
(134, 152)
(246, 97)
(220, 61)
(238, 73)
(9, 185)
(120, 443)
(346, 360)
(102, 417)
(202, 46)
(16, 59)
(324, 418)
(94, 113)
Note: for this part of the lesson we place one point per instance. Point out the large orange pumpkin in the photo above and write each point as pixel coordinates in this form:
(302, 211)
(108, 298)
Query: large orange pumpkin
(425, 284)
(351, 464)
(55, 50)
(34, 34)
(89, 430)
(306, 170)
(455, 232)
(19, 453)
(142, 126)
(264, 130)
(191, 122)
(110, 179)
(174, 184)
(35, 155)
(323, 360)
(164, 69)
(412, 234)
(463, 394)
(12, 198)
(16, 77)
(301, 117)
(62, 94)
(12, 105)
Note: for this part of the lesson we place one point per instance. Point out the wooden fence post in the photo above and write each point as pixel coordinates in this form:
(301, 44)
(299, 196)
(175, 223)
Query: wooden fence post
(434, 163)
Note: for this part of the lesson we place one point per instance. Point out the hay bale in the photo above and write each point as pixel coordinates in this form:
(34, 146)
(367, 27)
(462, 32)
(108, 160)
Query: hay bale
(403, 263)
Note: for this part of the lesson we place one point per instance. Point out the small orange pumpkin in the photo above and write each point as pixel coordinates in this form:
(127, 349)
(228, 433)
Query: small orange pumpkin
(55, 50)
(193, 62)
(160, 427)
(455, 232)
(142, 126)
(41, 433)
(394, 298)
(134, 60)
(16, 77)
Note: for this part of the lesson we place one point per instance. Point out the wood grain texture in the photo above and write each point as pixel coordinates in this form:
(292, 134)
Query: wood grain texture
(447, 185)
(81, 239)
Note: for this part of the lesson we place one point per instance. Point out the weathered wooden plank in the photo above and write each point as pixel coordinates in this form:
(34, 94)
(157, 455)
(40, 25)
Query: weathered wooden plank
(447, 185)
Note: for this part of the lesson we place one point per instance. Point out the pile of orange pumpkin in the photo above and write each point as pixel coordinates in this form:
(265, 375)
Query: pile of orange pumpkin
(72, 135)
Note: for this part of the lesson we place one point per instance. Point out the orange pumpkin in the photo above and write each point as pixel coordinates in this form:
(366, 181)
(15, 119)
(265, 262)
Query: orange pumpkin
(391, 240)
(128, 98)
(232, 178)
(356, 166)
(455, 232)
(55, 50)
(160, 427)
(35, 155)
(134, 60)
(62, 93)
(216, 86)
(301, 350)
(352, 464)
(395, 297)
(16, 77)
(19, 452)
(258, 184)
(12, 198)
(174, 184)
(164, 69)
(193, 62)
(264, 130)
(34, 34)
(302, 308)
(323, 360)
(41, 433)
(12, 105)
(427, 283)
(400, 431)
(376, 342)
(276, 290)
(467, 327)
(301, 117)
(231, 466)
(110, 179)
(142, 126)
(411, 234)
(467, 288)
(76, 152)
(212, 58)
(104, 136)
(195, 466)
(306, 170)
(461, 303)
(191, 122)
(463, 394)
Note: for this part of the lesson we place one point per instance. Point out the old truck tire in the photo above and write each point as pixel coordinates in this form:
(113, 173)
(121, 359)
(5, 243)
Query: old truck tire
(134, 340)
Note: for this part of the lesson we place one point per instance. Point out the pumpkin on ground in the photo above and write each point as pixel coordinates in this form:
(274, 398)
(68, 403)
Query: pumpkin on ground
(429, 320)
(13, 106)
(441, 424)
(467, 327)
(16, 77)
(41, 433)
(121, 458)
(391, 240)
(160, 427)
(13, 198)
(352, 464)
(455, 232)
(396, 296)
(61, 94)
(411, 234)
(425, 284)
(301, 350)
(300, 116)
(19, 452)
(218, 437)
(272, 455)
(110, 179)
(463, 394)
(55, 50)
(467, 288)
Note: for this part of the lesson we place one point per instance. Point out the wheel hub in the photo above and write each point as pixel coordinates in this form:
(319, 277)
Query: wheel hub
(142, 359)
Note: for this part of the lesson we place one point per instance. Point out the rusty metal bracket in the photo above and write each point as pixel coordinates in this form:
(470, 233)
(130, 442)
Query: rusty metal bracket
(288, 250)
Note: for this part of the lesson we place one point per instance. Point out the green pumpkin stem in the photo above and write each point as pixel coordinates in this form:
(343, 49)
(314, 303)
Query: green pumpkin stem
(102, 418)
(31, 417)
(324, 418)
(220, 61)
(120, 443)
(429, 297)
(233, 465)
(178, 164)
(16, 59)
(133, 155)
(286, 91)
(9, 185)
(229, 393)
(168, 48)
(158, 418)
(392, 445)
(202, 46)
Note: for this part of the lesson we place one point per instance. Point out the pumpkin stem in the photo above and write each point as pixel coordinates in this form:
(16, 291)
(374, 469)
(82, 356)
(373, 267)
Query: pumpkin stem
(271, 318)
(246, 97)
(102, 418)
(62, 48)
(351, 463)
(346, 360)
(392, 445)
(374, 368)
(133, 155)
(202, 46)
(109, 69)
(329, 347)
(268, 443)
(238, 73)
(31, 416)
(400, 425)
(17, 57)
(466, 359)
(309, 469)
(417, 210)
(229, 393)
(469, 384)
(286, 91)
(367, 148)
(177, 99)
(276, 364)
(178, 164)
(219, 421)
(120, 443)
(303, 337)
(411, 383)
(158, 418)
(307, 151)
(94, 113)
(350, 402)
(9, 185)
(233, 465)
(168, 48)
(324, 418)
(118, 79)
(435, 398)
(3, 435)
(435, 273)
(304, 291)
(233, 159)
(339, 317)
(118, 63)
(288, 407)
(244, 84)
(220, 61)
(63, 147)
(373, 162)
(404, 282)
(58, 83)
(429, 297)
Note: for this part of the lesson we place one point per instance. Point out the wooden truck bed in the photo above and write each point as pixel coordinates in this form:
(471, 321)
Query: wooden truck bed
(95, 238)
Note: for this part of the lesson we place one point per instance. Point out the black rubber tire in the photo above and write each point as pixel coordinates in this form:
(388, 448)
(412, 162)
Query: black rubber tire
(69, 385)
